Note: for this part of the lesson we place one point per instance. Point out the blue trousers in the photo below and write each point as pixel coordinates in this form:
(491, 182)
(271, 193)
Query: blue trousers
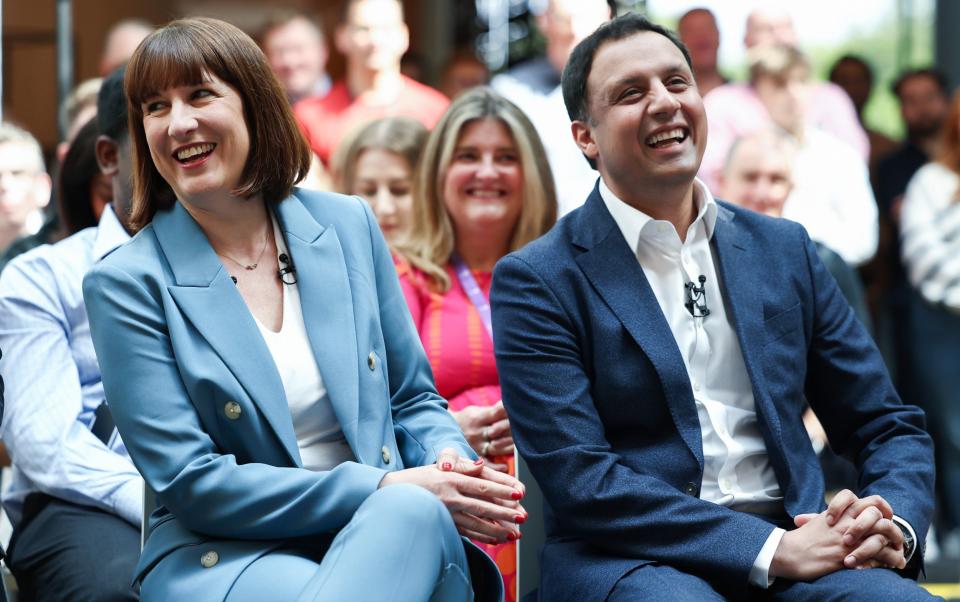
(401, 544)
(660, 582)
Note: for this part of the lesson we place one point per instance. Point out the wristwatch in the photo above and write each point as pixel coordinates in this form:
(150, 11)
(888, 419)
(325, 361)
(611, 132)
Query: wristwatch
(909, 543)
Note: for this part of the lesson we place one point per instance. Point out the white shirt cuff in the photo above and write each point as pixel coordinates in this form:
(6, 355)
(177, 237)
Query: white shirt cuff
(913, 535)
(760, 573)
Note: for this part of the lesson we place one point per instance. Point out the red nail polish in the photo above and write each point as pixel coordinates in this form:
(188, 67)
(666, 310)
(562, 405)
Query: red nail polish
(516, 495)
(512, 536)
(446, 466)
(478, 462)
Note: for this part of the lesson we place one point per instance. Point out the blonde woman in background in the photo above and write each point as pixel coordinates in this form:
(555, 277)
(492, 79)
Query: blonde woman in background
(483, 189)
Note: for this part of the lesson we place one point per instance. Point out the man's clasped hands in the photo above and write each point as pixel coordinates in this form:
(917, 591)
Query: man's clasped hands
(852, 533)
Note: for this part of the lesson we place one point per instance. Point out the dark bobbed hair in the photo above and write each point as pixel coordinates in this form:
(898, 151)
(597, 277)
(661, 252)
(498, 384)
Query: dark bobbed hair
(183, 53)
(577, 70)
(112, 106)
(75, 178)
(936, 75)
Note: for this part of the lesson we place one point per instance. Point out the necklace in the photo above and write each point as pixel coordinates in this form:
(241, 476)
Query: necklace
(252, 266)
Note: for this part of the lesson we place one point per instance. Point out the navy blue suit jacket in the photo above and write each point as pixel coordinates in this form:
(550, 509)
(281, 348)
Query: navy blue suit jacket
(603, 412)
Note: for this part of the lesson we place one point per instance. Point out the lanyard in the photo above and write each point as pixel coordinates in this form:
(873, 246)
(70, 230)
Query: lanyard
(476, 296)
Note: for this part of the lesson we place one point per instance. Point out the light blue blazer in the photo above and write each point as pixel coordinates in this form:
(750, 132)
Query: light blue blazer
(199, 402)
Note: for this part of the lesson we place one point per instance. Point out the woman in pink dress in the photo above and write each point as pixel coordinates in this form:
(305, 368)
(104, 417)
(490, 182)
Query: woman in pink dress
(483, 189)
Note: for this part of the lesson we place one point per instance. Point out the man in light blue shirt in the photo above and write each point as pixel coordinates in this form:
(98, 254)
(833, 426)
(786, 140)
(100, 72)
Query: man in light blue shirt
(76, 499)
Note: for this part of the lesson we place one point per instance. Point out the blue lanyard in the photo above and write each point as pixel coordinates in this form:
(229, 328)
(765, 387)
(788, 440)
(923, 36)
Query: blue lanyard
(476, 296)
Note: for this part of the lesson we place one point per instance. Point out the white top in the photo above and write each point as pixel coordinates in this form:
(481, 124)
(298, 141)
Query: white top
(319, 437)
(832, 197)
(930, 227)
(736, 468)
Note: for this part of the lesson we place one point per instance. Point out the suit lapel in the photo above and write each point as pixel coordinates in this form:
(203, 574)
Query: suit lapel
(327, 302)
(208, 298)
(613, 270)
(738, 265)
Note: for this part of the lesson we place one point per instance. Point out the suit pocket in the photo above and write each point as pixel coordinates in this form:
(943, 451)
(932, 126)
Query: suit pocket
(782, 323)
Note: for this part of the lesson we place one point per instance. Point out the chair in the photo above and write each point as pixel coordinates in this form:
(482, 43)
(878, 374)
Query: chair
(534, 534)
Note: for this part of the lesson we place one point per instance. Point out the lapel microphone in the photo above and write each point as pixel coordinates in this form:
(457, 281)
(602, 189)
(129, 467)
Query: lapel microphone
(696, 296)
(288, 273)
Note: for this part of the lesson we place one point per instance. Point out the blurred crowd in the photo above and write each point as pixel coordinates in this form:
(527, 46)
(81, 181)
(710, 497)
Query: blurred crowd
(884, 214)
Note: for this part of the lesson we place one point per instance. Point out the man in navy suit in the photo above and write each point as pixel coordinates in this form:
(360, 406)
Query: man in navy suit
(656, 351)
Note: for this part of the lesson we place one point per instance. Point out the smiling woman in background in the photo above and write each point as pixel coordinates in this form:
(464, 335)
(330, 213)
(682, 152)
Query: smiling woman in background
(483, 189)
(377, 163)
(261, 366)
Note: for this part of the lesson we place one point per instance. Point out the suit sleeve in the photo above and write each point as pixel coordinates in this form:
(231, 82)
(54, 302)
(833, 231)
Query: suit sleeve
(592, 493)
(206, 489)
(850, 391)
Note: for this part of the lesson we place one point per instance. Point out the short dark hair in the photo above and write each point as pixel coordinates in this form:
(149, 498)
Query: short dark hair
(182, 53)
(75, 178)
(856, 60)
(112, 106)
(577, 70)
(935, 74)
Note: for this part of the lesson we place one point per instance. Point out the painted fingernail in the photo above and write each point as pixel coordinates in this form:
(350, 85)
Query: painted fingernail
(478, 462)
(446, 466)
(519, 519)
(516, 495)
(512, 536)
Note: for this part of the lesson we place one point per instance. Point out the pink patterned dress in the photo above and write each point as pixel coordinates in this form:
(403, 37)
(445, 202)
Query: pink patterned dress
(461, 355)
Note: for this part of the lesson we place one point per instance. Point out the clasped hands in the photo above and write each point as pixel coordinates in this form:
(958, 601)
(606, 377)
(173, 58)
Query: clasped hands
(851, 533)
(484, 503)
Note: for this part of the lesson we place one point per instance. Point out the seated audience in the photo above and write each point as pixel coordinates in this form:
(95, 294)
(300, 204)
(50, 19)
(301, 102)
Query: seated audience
(929, 226)
(373, 37)
(854, 75)
(924, 99)
(76, 499)
(735, 110)
(699, 32)
(831, 196)
(377, 164)
(656, 350)
(483, 190)
(534, 86)
(297, 50)
(24, 185)
(282, 408)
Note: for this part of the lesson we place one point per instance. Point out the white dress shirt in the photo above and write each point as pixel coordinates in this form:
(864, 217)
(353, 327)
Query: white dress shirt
(736, 468)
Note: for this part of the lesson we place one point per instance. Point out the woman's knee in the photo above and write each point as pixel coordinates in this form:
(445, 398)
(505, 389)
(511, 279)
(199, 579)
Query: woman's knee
(409, 504)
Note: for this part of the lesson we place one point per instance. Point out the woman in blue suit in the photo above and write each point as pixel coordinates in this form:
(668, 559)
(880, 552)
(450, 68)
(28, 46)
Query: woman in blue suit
(262, 367)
